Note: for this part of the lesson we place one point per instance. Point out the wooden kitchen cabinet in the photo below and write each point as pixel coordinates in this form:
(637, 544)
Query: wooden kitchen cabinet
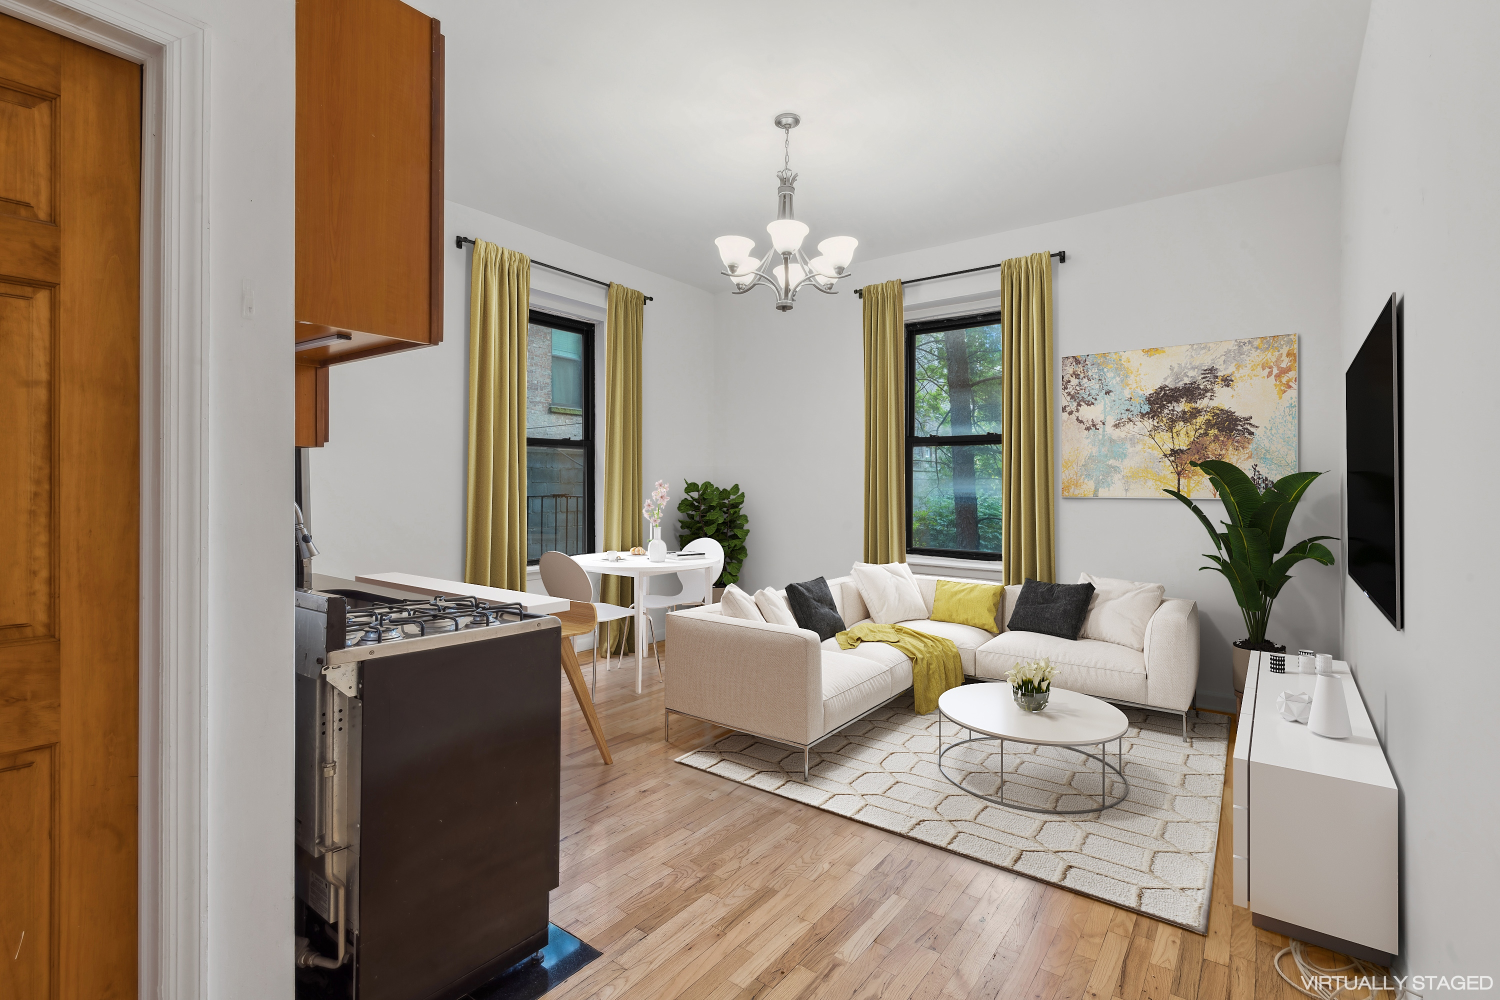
(369, 267)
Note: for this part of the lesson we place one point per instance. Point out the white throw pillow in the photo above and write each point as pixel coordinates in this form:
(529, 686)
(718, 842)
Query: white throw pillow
(1120, 610)
(890, 592)
(774, 608)
(737, 604)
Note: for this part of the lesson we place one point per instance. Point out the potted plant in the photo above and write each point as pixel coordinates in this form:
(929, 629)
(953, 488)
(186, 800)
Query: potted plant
(709, 511)
(1031, 684)
(1246, 552)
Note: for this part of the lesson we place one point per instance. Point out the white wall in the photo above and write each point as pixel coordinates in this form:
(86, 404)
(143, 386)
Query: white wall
(1246, 260)
(388, 489)
(1421, 209)
(247, 681)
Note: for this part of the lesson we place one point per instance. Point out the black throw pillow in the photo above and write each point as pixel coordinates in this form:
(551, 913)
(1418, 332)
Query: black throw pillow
(812, 605)
(1051, 608)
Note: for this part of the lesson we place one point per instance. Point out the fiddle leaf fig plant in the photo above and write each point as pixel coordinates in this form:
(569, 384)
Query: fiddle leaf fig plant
(1247, 550)
(710, 511)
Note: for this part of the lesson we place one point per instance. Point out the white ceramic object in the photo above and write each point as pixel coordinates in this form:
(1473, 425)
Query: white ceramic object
(1294, 706)
(656, 550)
(1330, 712)
(1325, 663)
(1307, 661)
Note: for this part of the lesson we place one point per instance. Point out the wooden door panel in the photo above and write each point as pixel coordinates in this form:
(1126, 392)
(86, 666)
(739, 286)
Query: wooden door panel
(70, 179)
(27, 318)
(26, 788)
(28, 135)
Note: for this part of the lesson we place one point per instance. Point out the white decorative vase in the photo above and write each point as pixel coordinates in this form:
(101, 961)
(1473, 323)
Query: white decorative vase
(656, 550)
(1330, 712)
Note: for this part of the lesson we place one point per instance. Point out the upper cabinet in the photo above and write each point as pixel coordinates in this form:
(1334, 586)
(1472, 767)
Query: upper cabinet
(369, 188)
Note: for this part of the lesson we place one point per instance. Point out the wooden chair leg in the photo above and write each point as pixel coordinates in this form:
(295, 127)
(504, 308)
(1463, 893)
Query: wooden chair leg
(580, 691)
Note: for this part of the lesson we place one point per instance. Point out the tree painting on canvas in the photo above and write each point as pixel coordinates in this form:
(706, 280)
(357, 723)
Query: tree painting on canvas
(1134, 421)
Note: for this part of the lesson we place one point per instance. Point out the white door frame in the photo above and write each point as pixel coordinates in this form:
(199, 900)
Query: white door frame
(174, 53)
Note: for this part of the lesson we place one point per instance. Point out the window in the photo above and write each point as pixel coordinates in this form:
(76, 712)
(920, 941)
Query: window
(953, 437)
(559, 436)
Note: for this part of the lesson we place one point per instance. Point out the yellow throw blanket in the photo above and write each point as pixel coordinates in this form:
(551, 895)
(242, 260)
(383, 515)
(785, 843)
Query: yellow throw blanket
(935, 666)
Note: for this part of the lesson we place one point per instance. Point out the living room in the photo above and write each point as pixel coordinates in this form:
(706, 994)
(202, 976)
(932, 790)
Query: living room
(1266, 202)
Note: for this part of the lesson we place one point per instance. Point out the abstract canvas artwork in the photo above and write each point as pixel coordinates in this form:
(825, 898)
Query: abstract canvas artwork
(1134, 421)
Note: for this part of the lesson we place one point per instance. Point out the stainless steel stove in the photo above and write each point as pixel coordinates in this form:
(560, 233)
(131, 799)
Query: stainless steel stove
(426, 790)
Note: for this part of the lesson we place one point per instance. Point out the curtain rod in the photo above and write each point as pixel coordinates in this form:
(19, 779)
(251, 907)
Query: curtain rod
(1061, 255)
(459, 242)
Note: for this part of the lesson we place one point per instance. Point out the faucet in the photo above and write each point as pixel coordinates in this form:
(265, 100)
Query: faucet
(306, 550)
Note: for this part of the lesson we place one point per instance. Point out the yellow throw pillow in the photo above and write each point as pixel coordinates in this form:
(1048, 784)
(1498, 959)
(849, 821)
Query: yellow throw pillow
(974, 604)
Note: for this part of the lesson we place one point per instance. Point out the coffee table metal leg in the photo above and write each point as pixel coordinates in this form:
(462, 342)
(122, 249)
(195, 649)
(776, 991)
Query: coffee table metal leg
(1103, 781)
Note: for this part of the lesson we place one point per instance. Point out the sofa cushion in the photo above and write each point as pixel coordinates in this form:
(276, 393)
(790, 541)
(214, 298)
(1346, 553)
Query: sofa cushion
(1120, 610)
(737, 604)
(812, 605)
(889, 591)
(966, 637)
(846, 598)
(852, 685)
(1052, 608)
(1102, 669)
(891, 659)
(774, 607)
(976, 604)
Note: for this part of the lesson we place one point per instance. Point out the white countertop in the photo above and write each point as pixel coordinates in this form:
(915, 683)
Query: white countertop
(427, 586)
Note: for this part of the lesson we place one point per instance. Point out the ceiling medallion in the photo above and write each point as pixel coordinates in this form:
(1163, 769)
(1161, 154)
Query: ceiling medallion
(787, 234)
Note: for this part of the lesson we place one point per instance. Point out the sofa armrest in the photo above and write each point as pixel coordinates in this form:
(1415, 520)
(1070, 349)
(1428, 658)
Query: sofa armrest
(1171, 650)
(752, 676)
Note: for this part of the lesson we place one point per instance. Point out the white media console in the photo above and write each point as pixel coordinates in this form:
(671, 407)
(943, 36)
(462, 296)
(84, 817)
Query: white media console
(1315, 822)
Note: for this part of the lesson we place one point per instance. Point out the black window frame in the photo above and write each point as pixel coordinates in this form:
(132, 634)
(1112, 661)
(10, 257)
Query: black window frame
(586, 445)
(912, 330)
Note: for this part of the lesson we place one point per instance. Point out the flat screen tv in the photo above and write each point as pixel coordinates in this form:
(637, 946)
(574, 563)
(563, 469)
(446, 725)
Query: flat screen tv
(1372, 433)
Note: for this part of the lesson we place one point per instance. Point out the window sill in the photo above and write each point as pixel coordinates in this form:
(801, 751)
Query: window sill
(571, 411)
(989, 570)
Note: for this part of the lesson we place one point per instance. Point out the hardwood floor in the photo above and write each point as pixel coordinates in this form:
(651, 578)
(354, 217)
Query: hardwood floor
(698, 888)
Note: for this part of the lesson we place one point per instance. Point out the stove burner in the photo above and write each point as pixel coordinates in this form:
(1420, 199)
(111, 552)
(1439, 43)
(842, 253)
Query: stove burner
(397, 620)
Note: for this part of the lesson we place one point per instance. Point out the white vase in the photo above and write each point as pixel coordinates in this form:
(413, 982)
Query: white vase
(1330, 712)
(656, 550)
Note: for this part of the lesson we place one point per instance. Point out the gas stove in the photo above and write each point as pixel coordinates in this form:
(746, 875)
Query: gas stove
(372, 623)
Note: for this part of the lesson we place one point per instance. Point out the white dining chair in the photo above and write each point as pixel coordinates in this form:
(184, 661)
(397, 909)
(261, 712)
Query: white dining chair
(695, 589)
(562, 577)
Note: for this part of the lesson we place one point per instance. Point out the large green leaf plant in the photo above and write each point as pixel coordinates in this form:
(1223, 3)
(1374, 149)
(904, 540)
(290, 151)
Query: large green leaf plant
(710, 511)
(1247, 550)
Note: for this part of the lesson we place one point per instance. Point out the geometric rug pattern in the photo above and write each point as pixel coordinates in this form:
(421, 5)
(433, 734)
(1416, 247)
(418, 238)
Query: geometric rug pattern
(1153, 853)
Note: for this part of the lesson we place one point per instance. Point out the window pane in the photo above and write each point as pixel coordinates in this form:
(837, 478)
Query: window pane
(955, 498)
(957, 375)
(554, 383)
(556, 510)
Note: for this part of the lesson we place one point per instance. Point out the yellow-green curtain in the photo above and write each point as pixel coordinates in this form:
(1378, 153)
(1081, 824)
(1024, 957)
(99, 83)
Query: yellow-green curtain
(499, 304)
(1026, 451)
(622, 445)
(885, 424)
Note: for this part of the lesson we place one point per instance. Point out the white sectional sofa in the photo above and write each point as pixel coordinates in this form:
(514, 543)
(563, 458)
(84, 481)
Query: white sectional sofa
(781, 683)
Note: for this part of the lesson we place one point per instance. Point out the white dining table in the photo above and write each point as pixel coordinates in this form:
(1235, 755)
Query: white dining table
(640, 569)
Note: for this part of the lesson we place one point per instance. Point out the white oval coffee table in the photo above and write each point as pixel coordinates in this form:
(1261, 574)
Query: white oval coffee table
(1071, 720)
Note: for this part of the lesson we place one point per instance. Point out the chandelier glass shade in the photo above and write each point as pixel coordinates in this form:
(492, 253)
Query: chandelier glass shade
(785, 269)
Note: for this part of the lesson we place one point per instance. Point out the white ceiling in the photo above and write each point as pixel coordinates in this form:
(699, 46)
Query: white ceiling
(643, 130)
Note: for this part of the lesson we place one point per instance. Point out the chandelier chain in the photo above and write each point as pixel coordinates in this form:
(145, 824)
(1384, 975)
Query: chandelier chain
(786, 159)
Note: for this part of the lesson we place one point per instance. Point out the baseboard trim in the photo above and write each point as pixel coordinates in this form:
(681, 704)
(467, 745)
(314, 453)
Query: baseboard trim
(1322, 940)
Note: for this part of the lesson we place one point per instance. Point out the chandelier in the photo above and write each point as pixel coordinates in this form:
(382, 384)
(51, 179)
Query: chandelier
(787, 234)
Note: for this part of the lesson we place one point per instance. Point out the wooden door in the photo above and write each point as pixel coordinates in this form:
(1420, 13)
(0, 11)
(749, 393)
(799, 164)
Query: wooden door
(70, 184)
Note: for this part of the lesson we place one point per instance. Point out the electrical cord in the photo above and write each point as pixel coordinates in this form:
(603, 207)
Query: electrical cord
(1354, 969)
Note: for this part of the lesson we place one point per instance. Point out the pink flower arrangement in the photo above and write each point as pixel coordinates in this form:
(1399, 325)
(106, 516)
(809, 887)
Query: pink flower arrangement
(656, 504)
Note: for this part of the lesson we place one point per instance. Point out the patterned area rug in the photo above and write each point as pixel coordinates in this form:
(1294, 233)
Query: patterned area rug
(1153, 853)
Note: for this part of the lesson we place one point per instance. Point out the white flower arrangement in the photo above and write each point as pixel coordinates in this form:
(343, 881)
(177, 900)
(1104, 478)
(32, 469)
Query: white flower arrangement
(1032, 676)
(656, 504)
